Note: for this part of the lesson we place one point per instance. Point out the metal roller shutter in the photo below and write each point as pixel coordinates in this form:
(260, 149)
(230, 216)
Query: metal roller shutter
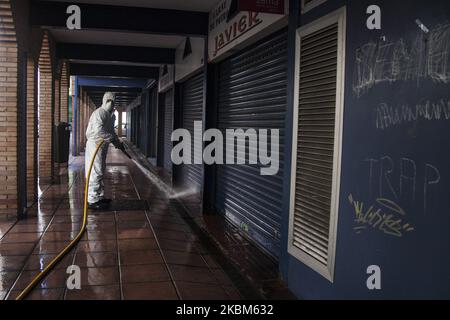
(192, 100)
(252, 94)
(139, 133)
(168, 127)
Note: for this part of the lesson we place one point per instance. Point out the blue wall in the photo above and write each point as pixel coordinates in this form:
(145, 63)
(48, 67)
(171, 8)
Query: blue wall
(410, 159)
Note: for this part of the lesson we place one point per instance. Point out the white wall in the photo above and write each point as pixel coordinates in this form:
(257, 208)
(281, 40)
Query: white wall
(193, 62)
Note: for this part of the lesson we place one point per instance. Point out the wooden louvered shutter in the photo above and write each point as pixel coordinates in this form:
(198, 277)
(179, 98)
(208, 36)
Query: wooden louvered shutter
(315, 162)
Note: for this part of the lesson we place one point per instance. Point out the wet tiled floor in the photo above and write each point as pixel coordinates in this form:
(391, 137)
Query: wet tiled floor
(124, 254)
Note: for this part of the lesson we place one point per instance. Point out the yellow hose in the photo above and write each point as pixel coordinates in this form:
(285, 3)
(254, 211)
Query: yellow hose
(61, 255)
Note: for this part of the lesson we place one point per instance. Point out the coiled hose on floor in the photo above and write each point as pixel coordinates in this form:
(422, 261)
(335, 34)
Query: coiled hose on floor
(61, 255)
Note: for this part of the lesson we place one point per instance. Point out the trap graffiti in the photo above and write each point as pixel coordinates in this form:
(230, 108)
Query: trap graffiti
(385, 216)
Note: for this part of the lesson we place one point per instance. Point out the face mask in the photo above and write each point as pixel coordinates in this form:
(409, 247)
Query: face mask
(110, 106)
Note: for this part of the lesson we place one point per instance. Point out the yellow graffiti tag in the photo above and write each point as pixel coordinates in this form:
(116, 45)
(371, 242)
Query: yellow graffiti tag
(377, 218)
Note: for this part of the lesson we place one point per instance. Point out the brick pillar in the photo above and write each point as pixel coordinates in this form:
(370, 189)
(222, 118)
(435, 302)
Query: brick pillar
(74, 116)
(80, 121)
(119, 124)
(45, 113)
(31, 131)
(83, 121)
(56, 117)
(56, 95)
(86, 118)
(64, 94)
(79, 118)
(8, 113)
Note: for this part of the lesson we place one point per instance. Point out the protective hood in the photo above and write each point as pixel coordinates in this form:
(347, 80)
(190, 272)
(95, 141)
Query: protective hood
(108, 96)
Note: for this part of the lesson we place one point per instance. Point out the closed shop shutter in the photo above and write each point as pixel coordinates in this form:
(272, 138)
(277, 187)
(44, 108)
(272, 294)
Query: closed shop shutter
(139, 127)
(168, 127)
(191, 175)
(252, 94)
(153, 121)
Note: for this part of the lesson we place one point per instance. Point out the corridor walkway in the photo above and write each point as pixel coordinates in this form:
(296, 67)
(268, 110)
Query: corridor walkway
(139, 250)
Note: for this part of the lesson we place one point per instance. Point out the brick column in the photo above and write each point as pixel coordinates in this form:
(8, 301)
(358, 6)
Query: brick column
(80, 118)
(8, 113)
(64, 94)
(57, 102)
(31, 131)
(83, 111)
(56, 118)
(45, 113)
(83, 127)
(119, 124)
(74, 116)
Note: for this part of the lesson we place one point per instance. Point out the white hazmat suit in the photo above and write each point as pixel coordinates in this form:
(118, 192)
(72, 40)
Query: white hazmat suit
(100, 127)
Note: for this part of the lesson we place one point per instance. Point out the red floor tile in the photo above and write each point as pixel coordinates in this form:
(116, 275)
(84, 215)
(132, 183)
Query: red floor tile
(50, 247)
(140, 257)
(59, 236)
(12, 263)
(221, 277)
(100, 235)
(174, 235)
(197, 291)
(131, 216)
(150, 291)
(133, 224)
(183, 258)
(137, 244)
(96, 259)
(232, 292)
(40, 294)
(68, 227)
(111, 292)
(192, 274)
(7, 279)
(20, 237)
(99, 276)
(39, 262)
(211, 261)
(135, 234)
(97, 246)
(178, 245)
(144, 273)
(55, 279)
(32, 228)
(121, 255)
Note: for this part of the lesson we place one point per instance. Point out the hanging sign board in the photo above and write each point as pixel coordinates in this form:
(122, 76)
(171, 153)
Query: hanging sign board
(229, 27)
(262, 6)
(166, 77)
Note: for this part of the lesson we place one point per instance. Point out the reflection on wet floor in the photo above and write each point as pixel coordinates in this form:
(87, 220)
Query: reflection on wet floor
(132, 252)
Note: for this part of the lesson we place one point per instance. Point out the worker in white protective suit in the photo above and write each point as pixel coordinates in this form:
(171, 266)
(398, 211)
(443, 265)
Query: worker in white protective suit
(100, 127)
